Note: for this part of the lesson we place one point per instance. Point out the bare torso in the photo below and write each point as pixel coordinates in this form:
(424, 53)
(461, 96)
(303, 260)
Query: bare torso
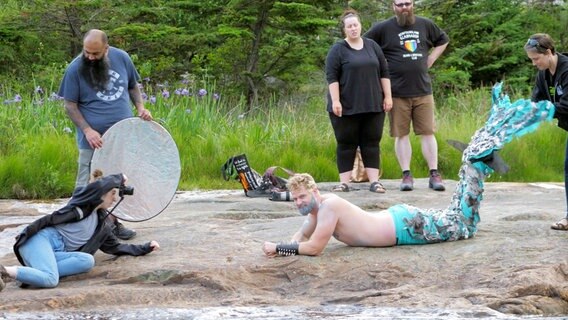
(357, 227)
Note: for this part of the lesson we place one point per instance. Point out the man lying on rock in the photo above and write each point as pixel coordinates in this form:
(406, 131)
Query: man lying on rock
(330, 215)
(63, 243)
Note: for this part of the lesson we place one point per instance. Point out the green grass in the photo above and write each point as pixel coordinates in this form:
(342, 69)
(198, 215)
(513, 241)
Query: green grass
(38, 155)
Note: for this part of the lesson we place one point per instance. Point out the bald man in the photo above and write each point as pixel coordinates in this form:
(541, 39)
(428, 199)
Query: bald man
(99, 87)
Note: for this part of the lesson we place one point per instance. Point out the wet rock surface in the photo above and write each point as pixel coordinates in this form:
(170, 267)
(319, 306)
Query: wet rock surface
(211, 257)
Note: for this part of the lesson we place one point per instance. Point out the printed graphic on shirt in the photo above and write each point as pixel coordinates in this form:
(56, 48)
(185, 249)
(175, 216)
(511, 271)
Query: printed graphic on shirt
(115, 87)
(410, 41)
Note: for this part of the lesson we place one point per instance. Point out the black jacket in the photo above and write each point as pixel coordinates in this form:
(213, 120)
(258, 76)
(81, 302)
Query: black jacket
(82, 204)
(560, 98)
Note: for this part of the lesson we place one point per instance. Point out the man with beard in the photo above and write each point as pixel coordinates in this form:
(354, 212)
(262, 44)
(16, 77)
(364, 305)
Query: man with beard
(330, 215)
(98, 87)
(411, 45)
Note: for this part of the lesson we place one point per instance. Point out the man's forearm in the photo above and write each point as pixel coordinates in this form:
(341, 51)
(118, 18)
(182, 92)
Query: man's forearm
(136, 97)
(287, 249)
(72, 110)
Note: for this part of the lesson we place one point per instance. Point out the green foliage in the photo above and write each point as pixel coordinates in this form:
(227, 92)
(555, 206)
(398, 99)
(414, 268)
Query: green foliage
(38, 153)
(487, 39)
(264, 49)
(45, 168)
(265, 58)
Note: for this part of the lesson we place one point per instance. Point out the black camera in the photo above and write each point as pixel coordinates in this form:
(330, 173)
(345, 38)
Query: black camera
(125, 190)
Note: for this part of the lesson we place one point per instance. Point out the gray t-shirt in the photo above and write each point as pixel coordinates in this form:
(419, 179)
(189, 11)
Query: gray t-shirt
(76, 234)
(101, 109)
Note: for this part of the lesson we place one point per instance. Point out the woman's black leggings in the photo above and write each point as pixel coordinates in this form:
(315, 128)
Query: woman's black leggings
(363, 130)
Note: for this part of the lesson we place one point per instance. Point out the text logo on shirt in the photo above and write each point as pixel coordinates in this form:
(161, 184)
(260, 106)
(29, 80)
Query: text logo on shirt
(114, 89)
(410, 41)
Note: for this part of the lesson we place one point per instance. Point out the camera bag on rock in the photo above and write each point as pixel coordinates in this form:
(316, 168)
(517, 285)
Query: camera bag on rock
(254, 185)
(237, 167)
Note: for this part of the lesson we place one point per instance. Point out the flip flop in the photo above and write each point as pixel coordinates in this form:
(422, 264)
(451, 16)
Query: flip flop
(560, 225)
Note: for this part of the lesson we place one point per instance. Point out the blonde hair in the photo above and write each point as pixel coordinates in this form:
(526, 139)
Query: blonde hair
(299, 180)
(96, 175)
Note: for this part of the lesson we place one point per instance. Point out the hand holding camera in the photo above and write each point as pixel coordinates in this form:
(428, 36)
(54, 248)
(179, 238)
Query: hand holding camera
(124, 189)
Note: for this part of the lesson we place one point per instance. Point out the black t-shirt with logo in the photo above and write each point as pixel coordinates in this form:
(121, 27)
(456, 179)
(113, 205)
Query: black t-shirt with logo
(406, 50)
(554, 88)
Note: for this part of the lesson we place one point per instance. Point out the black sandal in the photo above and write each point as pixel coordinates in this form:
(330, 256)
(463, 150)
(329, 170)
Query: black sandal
(377, 187)
(343, 187)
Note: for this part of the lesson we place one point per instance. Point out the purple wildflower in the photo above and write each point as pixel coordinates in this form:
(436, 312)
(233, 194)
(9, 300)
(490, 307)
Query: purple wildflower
(184, 92)
(38, 90)
(165, 93)
(144, 96)
(153, 99)
(17, 98)
(177, 92)
(202, 92)
(54, 97)
(216, 96)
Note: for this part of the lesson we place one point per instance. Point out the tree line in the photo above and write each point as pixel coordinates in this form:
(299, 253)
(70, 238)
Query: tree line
(261, 48)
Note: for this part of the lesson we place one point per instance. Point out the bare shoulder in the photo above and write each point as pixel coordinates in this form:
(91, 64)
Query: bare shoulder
(333, 201)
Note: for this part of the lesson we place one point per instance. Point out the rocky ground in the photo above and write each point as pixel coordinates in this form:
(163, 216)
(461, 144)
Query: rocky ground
(211, 256)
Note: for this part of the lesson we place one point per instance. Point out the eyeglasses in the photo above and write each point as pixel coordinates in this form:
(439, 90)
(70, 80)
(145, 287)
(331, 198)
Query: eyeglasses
(403, 4)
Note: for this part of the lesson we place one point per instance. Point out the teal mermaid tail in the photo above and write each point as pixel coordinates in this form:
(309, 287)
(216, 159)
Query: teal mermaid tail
(459, 221)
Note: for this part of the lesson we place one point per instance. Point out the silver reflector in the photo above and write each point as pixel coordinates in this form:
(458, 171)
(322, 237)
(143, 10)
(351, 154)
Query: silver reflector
(146, 153)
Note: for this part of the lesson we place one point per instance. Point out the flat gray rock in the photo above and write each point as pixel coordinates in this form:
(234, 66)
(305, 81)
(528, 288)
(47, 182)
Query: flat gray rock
(211, 256)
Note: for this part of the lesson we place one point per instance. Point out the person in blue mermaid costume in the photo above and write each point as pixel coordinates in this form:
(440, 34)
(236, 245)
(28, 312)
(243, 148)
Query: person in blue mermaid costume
(329, 215)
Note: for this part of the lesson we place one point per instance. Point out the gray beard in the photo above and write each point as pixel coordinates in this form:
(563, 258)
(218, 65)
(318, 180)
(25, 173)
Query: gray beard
(308, 208)
(405, 20)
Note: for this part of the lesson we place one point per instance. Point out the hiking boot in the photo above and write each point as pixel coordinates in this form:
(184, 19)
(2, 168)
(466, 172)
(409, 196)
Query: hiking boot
(121, 232)
(407, 183)
(435, 182)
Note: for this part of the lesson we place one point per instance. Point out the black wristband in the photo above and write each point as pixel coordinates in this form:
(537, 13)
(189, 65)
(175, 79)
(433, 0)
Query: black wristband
(287, 249)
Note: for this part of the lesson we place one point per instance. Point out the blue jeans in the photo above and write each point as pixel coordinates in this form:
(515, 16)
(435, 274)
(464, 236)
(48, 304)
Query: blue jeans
(46, 260)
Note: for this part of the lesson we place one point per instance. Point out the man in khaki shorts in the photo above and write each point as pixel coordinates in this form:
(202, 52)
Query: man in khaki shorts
(411, 45)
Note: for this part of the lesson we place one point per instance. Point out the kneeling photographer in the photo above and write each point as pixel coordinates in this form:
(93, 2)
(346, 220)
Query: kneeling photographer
(63, 243)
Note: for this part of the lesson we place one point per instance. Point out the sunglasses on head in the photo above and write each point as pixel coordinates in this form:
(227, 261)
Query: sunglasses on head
(403, 4)
(533, 43)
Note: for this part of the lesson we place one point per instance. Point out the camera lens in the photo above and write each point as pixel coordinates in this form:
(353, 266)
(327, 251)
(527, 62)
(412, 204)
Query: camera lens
(125, 191)
(281, 196)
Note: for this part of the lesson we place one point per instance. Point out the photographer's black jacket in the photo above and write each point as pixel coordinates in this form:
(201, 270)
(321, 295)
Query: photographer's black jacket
(560, 97)
(82, 204)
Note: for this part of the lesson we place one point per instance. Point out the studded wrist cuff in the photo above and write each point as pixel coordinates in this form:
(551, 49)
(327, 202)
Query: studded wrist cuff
(287, 249)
